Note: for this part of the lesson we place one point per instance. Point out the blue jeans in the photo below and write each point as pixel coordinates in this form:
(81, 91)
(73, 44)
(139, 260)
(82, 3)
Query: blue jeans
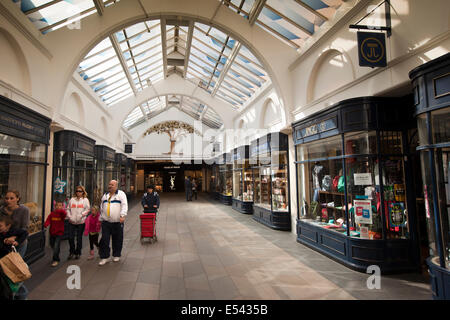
(112, 230)
(55, 242)
(76, 230)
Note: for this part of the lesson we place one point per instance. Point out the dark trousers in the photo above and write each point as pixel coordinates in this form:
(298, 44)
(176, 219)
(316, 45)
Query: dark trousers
(55, 242)
(195, 194)
(76, 230)
(112, 230)
(93, 240)
(188, 195)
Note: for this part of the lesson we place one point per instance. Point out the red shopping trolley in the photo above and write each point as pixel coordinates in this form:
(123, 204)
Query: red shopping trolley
(148, 226)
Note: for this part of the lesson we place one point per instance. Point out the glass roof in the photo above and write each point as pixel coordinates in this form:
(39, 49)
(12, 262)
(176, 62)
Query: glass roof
(292, 21)
(50, 15)
(188, 105)
(134, 58)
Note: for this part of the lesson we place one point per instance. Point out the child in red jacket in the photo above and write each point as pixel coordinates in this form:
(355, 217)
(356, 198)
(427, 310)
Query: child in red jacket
(56, 222)
(93, 226)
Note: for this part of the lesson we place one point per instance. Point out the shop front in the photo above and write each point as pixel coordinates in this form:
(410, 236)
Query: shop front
(121, 171)
(225, 179)
(214, 181)
(431, 83)
(73, 165)
(271, 202)
(130, 183)
(242, 181)
(24, 139)
(355, 198)
(104, 168)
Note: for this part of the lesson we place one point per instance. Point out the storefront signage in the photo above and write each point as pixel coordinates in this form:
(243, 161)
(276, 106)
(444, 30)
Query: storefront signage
(59, 185)
(109, 155)
(172, 182)
(372, 49)
(323, 126)
(362, 179)
(85, 146)
(363, 211)
(172, 167)
(20, 124)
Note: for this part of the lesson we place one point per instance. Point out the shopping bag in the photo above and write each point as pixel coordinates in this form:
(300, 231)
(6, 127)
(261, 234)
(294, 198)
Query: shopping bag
(14, 267)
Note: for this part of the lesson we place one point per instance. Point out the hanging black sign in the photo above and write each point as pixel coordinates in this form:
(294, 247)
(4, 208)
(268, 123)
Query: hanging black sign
(371, 49)
(128, 148)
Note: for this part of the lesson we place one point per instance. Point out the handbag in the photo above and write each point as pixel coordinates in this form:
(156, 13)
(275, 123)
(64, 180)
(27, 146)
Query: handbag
(335, 183)
(14, 267)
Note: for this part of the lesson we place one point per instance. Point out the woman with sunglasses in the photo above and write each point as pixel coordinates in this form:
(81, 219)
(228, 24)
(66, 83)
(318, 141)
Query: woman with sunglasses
(77, 211)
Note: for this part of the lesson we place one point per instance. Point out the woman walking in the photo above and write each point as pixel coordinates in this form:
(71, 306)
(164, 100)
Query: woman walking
(20, 216)
(77, 211)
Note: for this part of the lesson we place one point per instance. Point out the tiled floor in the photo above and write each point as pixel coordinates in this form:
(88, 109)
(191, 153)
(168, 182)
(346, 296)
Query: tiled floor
(206, 250)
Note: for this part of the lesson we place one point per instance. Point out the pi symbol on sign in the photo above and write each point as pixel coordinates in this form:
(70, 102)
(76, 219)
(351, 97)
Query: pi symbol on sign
(372, 50)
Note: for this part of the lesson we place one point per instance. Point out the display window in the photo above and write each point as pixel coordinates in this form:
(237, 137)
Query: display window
(72, 169)
(442, 159)
(155, 178)
(22, 168)
(247, 179)
(280, 196)
(265, 175)
(257, 186)
(339, 184)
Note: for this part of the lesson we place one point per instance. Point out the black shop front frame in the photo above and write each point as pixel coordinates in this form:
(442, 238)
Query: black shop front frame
(25, 137)
(355, 199)
(271, 202)
(431, 82)
(242, 180)
(225, 163)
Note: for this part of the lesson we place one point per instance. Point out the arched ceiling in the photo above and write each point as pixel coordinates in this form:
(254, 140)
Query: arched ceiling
(190, 106)
(132, 59)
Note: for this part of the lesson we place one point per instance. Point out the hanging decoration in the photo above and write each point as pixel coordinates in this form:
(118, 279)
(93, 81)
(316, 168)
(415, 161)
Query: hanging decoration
(174, 129)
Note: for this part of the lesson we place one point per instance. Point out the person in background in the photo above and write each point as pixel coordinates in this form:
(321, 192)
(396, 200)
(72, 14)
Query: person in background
(20, 216)
(150, 200)
(77, 211)
(56, 222)
(11, 236)
(188, 188)
(113, 212)
(194, 188)
(93, 227)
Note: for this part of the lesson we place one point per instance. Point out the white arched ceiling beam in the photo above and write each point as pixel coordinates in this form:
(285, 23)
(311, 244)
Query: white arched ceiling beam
(69, 46)
(177, 86)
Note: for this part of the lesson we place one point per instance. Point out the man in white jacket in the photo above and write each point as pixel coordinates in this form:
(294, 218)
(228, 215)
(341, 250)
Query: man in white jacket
(114, 208)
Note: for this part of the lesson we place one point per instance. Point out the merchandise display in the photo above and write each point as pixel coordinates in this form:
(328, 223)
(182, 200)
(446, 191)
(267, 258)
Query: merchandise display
(155, 178)
(271, 181)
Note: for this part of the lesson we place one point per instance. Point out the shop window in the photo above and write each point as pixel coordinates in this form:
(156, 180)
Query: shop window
(25, 177)
(394, 195)
(429, 202)
(280, 196)
(441, 125)
(360, 143)
(265, 190)
(257, 183)
(363, 197)
(391, 142)
(442, 159)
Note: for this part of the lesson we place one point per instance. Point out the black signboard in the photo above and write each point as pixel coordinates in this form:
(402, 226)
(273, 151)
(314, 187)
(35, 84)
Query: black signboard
(372, 49)
(128, 148)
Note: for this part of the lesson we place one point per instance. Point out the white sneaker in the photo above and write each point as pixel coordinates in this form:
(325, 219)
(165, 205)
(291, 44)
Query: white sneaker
(103, 262)
(116, 259)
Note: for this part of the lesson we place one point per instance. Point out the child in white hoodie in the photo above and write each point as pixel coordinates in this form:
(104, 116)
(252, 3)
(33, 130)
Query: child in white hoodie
(77, 211)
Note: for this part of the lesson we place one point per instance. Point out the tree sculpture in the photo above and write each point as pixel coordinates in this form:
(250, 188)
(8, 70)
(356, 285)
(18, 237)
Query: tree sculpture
(175, 130)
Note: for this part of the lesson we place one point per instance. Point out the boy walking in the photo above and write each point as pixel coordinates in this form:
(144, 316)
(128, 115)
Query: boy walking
(56, 222)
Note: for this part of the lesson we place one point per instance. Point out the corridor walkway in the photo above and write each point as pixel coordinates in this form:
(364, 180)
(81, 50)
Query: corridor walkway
(209, 251)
